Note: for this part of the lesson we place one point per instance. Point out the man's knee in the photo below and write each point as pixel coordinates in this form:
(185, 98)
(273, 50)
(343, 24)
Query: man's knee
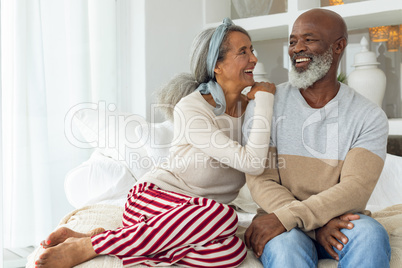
(289, 249)
(367, 230)
(284, 242)
(368, 244)
(368, 236)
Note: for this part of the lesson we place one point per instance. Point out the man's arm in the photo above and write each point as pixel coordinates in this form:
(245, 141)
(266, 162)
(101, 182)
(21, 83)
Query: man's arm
(360, 172)
(266, 187)
(359, 175)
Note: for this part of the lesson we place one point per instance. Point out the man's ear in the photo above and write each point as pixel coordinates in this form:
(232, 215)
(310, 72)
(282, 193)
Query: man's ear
(340, 45)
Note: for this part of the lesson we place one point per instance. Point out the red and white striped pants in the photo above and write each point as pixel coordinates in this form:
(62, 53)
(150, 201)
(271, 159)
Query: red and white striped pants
(163, 228)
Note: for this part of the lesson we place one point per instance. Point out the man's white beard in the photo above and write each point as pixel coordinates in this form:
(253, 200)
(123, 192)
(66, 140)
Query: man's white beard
(316, 70)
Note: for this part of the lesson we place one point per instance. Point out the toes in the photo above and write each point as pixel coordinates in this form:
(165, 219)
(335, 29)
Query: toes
(55, 238)
(42, 259)
(46, 243)
(63, 233)
(39, 262)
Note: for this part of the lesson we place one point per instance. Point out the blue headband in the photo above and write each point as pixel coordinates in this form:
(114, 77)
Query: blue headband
(213, 87)
(215, 44)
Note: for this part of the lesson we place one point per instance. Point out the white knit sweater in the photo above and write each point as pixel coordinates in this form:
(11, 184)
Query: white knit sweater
(207, 158)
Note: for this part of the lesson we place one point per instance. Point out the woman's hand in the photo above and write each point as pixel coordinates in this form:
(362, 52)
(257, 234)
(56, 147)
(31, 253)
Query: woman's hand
(330, 236)
(261, 86)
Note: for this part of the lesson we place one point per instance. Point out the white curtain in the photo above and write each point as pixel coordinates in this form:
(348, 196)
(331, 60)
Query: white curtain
(55, 54)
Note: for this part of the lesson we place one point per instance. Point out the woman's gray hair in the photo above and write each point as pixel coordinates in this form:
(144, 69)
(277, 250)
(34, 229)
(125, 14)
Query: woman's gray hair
(185, 83)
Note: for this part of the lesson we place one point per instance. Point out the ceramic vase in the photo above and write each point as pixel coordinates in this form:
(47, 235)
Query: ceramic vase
(260, 75)
(367, 79)
(251, 8)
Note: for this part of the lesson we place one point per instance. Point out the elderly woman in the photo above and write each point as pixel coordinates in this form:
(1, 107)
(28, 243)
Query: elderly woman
(179, 214)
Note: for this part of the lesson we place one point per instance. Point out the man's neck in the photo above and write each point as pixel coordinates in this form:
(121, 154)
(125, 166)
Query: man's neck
(320, 93)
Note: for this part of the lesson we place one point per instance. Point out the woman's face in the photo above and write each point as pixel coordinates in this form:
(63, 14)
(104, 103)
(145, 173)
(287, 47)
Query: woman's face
(235, 71)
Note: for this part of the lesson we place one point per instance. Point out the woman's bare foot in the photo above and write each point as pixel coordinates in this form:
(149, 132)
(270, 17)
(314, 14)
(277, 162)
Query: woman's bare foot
(70, 253)
(61, 234)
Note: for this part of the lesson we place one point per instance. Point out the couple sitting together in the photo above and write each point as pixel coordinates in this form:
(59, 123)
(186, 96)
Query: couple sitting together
(330, 141)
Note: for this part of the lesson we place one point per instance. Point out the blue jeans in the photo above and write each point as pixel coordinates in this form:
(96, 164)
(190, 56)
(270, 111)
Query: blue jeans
(368, 246)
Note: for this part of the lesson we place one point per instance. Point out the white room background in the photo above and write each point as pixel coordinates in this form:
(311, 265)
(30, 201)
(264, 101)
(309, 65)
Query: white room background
(60, 53)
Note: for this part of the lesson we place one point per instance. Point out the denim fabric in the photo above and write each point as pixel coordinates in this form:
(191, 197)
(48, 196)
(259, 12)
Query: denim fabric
(368, 246)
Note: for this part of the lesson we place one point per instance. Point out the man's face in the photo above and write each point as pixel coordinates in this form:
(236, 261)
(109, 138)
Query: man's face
(316, 69)
(310, 53)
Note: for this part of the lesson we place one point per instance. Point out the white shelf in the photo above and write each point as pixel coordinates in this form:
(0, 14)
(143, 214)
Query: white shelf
(358, 15)
(267, 27)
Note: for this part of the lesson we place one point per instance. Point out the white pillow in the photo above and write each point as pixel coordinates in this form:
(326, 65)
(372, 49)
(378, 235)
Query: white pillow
(98, 179)
(156, 139)
(244, 201)
(113, 134)
(388, 190)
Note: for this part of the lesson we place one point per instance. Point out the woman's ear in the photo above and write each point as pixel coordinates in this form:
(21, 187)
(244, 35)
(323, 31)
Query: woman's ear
(218, 69)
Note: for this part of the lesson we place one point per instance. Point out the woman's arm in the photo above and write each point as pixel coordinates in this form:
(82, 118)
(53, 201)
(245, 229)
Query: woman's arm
(198, 127)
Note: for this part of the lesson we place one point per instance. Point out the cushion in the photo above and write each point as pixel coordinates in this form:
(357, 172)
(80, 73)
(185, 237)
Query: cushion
(244, 201)
(156, 139)
(126, 148)
(388, 190)
(112, 133)
(98, 179)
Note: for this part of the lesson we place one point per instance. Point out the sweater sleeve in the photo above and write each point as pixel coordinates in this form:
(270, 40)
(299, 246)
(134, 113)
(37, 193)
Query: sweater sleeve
(359, 175)
(198, 127)
(266, 188)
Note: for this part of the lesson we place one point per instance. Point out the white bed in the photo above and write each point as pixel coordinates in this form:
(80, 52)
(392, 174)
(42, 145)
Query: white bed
(98, 187)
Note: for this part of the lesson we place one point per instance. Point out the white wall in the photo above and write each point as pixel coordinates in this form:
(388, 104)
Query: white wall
(168, 40)
(163, 33)
(272, 55)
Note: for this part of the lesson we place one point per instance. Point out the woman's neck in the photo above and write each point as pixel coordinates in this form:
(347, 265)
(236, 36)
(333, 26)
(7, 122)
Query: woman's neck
(235, 104)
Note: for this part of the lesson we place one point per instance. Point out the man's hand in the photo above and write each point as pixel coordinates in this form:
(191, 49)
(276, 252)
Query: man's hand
(261, 230)
(330, 235)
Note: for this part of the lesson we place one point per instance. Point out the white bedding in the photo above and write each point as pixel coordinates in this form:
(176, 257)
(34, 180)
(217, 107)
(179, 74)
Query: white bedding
(109, 217)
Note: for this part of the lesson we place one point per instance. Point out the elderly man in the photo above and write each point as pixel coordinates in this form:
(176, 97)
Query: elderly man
(328, 146)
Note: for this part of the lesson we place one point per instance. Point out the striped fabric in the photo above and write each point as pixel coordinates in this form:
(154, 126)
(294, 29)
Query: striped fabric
(163, 228)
